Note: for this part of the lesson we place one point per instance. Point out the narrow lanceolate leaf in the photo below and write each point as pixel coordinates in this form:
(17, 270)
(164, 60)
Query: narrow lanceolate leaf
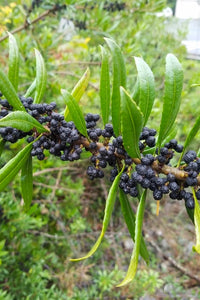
(9, 92)
(13, 63)
(107, 214)
(21, 120)
(31, 89)
(138, 234)
(79, 89)
(27, 182)
(129, 217)
(132, 123)
(105, 86)
(119, 79)
(75, 112)
(191, 136)
(196, 248)
(145, 94)
(172, 95)
(10, 170)
(41, 77)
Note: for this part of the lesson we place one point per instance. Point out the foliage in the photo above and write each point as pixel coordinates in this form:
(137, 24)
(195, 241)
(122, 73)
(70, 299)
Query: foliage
(131, 116)
(134, 39)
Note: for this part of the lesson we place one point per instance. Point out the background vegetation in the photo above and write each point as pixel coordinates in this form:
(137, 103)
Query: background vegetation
(67, 209)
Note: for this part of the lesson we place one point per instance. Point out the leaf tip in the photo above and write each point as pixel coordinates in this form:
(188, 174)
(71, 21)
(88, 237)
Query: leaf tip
(196, 249)
(123, 283)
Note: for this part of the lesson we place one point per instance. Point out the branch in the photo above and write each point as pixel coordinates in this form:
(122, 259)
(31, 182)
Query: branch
(173, 262)
(28, 23)
(159, 168)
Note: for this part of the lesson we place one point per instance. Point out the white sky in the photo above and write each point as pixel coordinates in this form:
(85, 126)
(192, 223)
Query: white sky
(188, 9)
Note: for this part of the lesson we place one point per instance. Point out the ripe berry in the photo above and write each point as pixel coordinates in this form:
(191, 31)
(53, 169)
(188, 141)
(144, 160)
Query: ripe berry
(189, 203)
(157, 194)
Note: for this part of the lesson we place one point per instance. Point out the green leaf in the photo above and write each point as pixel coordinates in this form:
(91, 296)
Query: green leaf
(75, 112)
(107, 214)
(190, 213)
(138, 234)
(79, 90)
(132, 123)
(10, 170)
(2, 143)
(172, 95)
(31, 89)
(27, 182)
(145, 95)
(105, 86)
(41, 77)
(136, 92)
(191, 136)
(22, 121)
(129, 217)
(119, 79)
(9, 92)
(196, 248)
(13, 71)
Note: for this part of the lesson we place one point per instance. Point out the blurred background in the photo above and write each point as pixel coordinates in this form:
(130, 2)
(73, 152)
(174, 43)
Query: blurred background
(65, 218)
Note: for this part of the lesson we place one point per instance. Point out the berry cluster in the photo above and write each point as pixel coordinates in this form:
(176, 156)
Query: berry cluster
(61, 141)
(109, 6)
(10, 134)
(62, 134)
(114, 6)
(35, 3)
(56, 7)
(65, 141)
(80, 24)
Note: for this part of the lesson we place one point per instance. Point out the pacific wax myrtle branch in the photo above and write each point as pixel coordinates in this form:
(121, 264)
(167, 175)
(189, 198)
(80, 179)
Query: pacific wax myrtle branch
(152, 172)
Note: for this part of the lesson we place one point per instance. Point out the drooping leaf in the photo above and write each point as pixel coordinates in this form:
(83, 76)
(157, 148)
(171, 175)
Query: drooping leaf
(129, 217)
(41, 77)
(105, 86)
(27, 182)
(138, 234)
(196, 248)
(22, 121)
(9, 92)
(172, 95)
(10, 170)
(119, 79)
(107, 214)
(13, 63)
(132, 123)
(31, 89)
(75, 112)
(79, 90)
(191, 136)
(145, 95)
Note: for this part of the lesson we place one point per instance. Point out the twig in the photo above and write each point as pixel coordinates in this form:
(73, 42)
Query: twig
(56, 187)
(81, 234)
(28, 23)
(49, 170)
(173, 262)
